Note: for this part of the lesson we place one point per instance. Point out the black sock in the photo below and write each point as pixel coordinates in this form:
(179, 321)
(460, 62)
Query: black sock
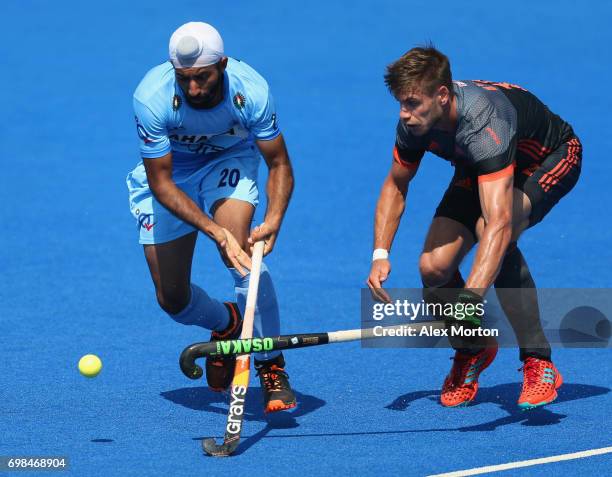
(518, 297)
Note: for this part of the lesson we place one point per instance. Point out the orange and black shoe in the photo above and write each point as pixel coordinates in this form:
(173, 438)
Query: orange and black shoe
(541, 379)
(277, 393)
(220, 371)
(461, 384)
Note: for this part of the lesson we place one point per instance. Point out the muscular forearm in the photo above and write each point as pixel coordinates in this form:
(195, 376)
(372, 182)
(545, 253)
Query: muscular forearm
(489, 255)
(177, 202)
(389, 210)
(278, 189)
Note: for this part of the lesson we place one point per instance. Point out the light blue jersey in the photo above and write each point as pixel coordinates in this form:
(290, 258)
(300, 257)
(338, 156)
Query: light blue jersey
(166, 123)
(213, 151)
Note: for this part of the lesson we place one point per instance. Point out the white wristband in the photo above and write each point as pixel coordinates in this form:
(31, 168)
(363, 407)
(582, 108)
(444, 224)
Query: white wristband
(380, 254)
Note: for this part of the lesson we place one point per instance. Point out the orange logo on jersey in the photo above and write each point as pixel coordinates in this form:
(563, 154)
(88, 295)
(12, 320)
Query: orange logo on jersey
(492, 86)
(494, 136)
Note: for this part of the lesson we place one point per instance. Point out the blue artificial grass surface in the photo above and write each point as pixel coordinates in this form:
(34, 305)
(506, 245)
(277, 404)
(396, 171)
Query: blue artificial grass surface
(74, 279)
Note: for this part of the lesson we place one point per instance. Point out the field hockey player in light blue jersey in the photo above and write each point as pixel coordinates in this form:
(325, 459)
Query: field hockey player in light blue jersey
(204, 121)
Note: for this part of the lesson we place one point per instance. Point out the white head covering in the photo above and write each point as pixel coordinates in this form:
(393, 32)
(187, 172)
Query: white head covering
(195, 44)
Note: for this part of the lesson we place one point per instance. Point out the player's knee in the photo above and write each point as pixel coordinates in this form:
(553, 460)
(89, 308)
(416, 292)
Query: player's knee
(171, 301)
(434, 272)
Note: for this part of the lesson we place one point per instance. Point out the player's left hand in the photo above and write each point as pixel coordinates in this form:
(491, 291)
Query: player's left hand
(266, 232)
(468, 309)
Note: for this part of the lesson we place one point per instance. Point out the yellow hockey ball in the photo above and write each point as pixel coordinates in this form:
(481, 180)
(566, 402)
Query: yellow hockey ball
(90, 365)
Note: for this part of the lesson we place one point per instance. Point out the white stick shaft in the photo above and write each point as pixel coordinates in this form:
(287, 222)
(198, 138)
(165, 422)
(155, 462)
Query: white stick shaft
(368, 333)
(346, 335)
(249, 312)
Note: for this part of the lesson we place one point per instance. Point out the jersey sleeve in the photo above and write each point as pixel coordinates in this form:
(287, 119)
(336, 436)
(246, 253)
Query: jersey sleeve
(492, 148)
(407, 151)
(152, 132)
(262, 121)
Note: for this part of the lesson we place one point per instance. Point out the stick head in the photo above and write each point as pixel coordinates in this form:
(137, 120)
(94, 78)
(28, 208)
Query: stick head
(190, 354)
(224, 450)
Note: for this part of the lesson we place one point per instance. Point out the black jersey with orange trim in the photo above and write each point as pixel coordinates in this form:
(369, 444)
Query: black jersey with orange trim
(498, 125)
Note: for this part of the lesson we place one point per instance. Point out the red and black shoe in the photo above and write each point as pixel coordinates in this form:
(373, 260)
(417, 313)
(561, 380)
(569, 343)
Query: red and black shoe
(277, 393)
(220, 371)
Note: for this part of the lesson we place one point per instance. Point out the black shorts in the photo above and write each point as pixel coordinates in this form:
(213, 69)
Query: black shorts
(545, 183)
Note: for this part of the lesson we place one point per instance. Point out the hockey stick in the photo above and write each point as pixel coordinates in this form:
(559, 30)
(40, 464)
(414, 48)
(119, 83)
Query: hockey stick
(256, 345)
(240, 383)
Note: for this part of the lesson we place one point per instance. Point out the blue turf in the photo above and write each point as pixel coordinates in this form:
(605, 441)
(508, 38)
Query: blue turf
(74, 280)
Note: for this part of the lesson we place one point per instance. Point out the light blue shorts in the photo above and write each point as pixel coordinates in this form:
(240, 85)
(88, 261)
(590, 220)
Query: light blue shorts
(232, 177)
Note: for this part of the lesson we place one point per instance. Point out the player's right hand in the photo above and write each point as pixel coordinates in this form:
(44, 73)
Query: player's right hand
(232, 252)
(379, 272)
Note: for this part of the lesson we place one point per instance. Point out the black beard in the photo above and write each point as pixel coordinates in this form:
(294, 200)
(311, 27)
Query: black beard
(212, 98)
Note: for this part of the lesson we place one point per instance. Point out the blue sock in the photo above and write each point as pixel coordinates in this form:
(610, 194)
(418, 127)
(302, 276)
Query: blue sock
(267, 321)
(203, 311)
